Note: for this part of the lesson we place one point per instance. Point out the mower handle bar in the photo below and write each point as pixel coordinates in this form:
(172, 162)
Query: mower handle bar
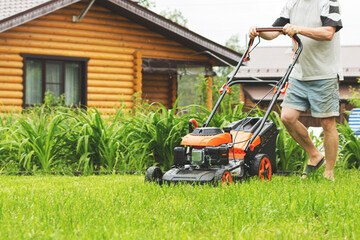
(279, 29)
(281, 83)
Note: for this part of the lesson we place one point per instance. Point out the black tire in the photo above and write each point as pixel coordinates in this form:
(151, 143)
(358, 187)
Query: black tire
(223, 177)
(261, 167)
(154, 174)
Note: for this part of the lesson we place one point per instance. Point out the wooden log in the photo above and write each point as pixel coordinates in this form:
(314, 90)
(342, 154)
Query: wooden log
(11, 64)
(65, 46)
(137, 72)
(107, 111)
(116, 64)
(102, 90)
(10, 109)
(91, 19)
(114, 84)
(91, 27)
(92, 13)
(92, 69)
(173, 88)
(109, 97)
(11, 86)
(156, 95)
(155, 90)
(10, 79)
(164, 102)
(92, 34)
(104, 104)
(11, 101)
(11, 94)
(10, 57)
(160, 77)
(11, 71)
(60, 52)
(159, 84)
(94, 41)
(171, 55)
(209, 94)
(113, 77)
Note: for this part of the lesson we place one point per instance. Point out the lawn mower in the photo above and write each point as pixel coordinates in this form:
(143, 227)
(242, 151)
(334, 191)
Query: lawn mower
(244, 148)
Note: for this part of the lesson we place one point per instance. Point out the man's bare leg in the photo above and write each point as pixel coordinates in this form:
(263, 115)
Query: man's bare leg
(298, 131)
(331, 144)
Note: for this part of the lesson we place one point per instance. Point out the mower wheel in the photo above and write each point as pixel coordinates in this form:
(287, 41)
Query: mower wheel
(154, 174)
(261, 167)
(223, 177)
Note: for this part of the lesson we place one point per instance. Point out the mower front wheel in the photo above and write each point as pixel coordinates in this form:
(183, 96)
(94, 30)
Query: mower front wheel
(223, 177)
(154, 174)
(261, 167)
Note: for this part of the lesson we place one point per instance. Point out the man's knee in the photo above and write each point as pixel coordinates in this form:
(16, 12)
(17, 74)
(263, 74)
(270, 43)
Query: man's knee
(328, 124)
(288, 118)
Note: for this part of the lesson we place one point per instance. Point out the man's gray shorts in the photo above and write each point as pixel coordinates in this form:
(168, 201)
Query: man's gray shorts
(321, 96)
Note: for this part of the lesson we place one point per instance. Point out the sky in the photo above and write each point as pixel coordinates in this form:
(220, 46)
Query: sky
(218, 20)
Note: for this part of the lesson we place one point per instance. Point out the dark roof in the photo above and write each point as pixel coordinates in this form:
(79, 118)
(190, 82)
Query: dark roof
(18, 12)
(10, 8)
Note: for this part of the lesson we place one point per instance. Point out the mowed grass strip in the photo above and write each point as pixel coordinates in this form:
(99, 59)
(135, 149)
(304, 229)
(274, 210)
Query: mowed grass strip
(125, 207)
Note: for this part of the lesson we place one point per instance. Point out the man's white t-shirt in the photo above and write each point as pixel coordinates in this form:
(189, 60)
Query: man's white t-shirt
(319, 59)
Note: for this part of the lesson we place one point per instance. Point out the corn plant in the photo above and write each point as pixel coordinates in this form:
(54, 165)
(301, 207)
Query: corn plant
(43, 136)
(158, 131)
(97, 140)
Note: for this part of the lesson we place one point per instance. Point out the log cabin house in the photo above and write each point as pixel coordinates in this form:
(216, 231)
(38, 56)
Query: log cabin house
(98, 53)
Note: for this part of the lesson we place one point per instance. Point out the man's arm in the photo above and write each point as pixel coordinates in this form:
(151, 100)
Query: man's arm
(265, 35)
(319, 33)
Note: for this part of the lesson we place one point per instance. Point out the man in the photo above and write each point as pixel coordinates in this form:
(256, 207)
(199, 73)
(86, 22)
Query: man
(314, 80)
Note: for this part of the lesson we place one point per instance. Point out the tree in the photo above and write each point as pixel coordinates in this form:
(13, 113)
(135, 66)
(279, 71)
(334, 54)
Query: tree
(146, 3)
(222, 74)
(175, 15)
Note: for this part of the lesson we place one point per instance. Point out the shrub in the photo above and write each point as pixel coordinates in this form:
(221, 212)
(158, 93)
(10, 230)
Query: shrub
(349, 144)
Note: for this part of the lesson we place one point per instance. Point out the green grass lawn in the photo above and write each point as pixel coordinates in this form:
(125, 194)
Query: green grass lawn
(114, 207)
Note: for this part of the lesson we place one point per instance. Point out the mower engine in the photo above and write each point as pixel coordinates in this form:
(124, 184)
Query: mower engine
(207, 156)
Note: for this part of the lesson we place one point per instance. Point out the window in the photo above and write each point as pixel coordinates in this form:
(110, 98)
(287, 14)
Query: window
(59, 75)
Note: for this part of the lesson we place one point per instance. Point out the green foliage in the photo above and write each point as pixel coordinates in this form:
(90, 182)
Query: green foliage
(349, 147)
(354, 99)
(146, 3)
(174, 15)
(58, 138)
(201, 88)
(36, 140)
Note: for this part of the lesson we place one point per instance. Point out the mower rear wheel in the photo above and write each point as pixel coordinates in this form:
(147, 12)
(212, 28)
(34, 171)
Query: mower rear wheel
(154, 174)
(261, 167)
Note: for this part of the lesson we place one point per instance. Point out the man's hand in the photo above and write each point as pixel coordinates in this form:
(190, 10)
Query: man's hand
(265, 35)
(291, 30)
(253, 33)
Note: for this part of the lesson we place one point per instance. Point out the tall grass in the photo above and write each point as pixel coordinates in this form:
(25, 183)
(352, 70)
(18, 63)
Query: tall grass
(56, 138)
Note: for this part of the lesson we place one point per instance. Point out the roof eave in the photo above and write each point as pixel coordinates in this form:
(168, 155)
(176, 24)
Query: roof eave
(33, 13)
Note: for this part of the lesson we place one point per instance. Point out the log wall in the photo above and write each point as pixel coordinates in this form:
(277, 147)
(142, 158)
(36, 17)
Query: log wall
(113, 43)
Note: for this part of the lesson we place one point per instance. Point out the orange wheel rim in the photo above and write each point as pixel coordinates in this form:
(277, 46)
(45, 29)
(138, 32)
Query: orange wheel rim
(226, 179)
(265, 169)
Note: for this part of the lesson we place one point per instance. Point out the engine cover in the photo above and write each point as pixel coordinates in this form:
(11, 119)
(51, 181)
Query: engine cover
(202, 137)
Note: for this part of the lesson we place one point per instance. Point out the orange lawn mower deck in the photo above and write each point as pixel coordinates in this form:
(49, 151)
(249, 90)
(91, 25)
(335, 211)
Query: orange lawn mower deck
(244, 148)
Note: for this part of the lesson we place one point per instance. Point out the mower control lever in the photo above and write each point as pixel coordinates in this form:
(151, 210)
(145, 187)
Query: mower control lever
(191, 123)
